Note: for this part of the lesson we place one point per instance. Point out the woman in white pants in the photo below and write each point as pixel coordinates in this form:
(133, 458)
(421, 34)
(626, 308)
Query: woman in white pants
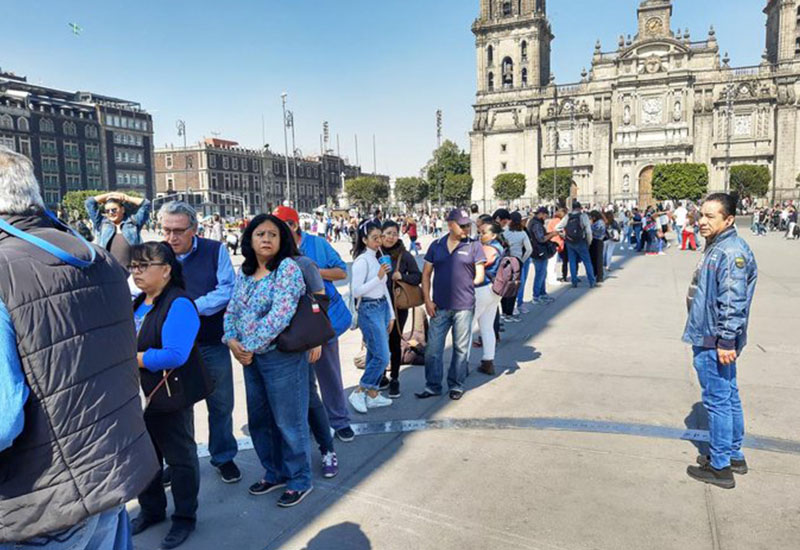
(486, 301)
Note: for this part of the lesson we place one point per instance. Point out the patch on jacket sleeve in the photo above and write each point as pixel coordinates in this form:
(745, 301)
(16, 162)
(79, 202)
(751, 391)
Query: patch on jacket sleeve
(740, 262)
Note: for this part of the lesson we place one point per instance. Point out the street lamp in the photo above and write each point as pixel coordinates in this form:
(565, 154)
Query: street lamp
(286, 146)
(729, 115)
(181, 126)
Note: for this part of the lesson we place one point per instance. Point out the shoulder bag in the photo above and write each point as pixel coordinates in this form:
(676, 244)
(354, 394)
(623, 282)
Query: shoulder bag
(310, 327)
(405, 295)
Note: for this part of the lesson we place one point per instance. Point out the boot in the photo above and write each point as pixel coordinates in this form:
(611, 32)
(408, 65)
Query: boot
(487, 367)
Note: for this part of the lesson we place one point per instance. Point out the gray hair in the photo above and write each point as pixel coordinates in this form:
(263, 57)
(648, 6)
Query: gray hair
(179, 207)
(19, 190)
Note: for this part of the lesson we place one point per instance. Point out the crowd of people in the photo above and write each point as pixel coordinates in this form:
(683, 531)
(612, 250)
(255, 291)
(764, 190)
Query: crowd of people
(188, 313)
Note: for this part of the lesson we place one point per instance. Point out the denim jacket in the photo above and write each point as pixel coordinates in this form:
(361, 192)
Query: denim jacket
(131, 224)
(726, 283)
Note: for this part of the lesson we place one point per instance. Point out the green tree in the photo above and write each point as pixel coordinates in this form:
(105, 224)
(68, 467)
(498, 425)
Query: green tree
(564, 182)
(750, 180)
(366, 190)
(448, 160)
(680, 181)
(411, 191)
(457, 189)
(73, 203)
(509, 187)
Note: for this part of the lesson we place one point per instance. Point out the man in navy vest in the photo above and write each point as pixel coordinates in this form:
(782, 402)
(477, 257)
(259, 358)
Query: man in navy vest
(209, 276)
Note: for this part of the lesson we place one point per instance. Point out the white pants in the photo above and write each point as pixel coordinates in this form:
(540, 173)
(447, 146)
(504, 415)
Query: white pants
(486, 302)
(552, 277)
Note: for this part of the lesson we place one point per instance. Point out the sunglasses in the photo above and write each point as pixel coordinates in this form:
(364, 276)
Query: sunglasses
(111, 211)
(142, 267)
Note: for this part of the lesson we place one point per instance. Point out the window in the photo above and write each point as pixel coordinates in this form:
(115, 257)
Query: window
(524, 50)
(507, 8)
(235, 163)
(212, 161)
(226, 163)
(73, 182)
(170, 182)
(93, 168)
(8, 141)
(132, 179)
(93, 182)
(189, 162)
(51, 181)
(797, 47)
(25, 146)
(6, 122)
(24, 124)
(46, 125)
(490, 55)
(503, 147)
(524, 77)
(72, 166)
(47, 147)
(508, 73)
(50, 164)
(52, 197)
(93, 152)
(168, 161)
(71, 150)
(91, 131)
(70, 129)
(491, 82)
(503, 166)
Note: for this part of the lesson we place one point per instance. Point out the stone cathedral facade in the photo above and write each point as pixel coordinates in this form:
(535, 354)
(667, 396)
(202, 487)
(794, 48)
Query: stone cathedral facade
(661, 96)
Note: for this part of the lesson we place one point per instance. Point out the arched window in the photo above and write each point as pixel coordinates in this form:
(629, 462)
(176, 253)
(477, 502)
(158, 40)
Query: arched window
(24, 125)
(46, 125)
(524, 49)
(491, 82)
(6, 122)
(507, 8)
(490, 55)
(70, 129)
(524, 77)
(508, 73)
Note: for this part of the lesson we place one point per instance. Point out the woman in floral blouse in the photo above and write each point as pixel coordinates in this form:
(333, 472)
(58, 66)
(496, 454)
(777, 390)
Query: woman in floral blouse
(264, 301)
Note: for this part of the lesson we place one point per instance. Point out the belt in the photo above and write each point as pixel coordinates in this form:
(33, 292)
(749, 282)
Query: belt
(368, 300)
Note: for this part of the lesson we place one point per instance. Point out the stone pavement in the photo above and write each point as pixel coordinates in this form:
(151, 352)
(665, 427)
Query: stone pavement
(574, 445)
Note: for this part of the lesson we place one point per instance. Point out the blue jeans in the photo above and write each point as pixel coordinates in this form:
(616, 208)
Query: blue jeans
(317, 416)
(461, 324)
(329, 376)
(373, 320)
(523, 279)
(109, 530)
(637, 232)
(221, 443)
(276, 385)
(539, 278)
(721, 400)
(576, 251)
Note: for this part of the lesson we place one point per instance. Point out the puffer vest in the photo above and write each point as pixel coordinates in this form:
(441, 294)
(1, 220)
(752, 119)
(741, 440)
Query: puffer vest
(84, 448)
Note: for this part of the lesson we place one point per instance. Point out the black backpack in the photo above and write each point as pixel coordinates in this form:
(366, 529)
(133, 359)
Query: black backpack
(574, 231)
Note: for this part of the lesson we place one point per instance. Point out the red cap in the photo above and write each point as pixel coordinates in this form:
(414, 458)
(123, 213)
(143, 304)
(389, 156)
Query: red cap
(286, 214)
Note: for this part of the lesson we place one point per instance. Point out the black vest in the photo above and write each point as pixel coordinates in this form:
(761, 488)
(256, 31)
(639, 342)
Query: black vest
(84, 448)
(200, 275)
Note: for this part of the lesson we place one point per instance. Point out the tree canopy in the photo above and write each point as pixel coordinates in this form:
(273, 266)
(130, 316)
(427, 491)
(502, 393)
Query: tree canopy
(680, 181)
(750, 180)
(366, 190)
(564, 182)
(457, 189)
(411, 191)
(509, 186)
(448, 160)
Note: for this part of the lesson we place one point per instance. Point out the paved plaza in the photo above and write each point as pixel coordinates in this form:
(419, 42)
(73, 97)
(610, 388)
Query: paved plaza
(580, 441)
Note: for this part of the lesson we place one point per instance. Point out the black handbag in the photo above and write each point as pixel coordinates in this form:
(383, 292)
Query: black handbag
(173, 390)
(310, 327)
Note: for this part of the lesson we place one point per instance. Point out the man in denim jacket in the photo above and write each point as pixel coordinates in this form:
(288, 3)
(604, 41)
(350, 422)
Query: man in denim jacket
(719, 306)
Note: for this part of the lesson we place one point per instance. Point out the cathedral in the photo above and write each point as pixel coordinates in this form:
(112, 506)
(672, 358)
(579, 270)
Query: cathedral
(661, 96)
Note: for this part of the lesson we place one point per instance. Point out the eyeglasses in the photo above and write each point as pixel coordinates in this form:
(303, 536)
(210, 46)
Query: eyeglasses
(111, 211)
(142, 267)
(175, 232)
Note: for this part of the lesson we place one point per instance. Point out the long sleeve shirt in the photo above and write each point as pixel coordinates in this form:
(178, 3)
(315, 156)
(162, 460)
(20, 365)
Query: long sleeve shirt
(177, 335)
(260, 310)
(13, 389)
(519, 244)
(216, 300)
(366, 283)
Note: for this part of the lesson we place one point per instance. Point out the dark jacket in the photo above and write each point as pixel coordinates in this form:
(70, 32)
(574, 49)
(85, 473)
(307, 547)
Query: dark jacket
(83, 449)
(409, 270)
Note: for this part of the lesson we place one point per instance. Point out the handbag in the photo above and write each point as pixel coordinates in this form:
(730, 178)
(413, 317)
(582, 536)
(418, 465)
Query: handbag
(354, 303)
(310, 327)
(176, 389)
(406, 296)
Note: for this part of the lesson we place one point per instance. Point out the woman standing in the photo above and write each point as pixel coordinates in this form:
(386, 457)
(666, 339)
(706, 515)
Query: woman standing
(405, 269)
(375, 314)
(613, 236)
(166, 325)
(264, 300)
(596, 248)
(519, 246)
(486, 301)
(410, 229)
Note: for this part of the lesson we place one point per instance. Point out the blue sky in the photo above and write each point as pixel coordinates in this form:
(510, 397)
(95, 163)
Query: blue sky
(368, 67)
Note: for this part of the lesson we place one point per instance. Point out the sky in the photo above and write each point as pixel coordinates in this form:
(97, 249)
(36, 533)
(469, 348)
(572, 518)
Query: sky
(368, 67)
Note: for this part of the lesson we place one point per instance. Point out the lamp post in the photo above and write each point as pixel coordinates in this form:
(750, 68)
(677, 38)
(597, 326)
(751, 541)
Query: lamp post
(286, 146)
(555, 148)
(181, 126)
(729, 116)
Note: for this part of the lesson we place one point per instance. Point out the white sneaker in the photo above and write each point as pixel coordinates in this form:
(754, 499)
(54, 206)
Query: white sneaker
(358, 399)
(378, 401)
(523, 309)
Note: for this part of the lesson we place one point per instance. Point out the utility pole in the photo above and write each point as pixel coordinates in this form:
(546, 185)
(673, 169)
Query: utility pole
(294, 157)
(439, 183)
(286, 148)
(572, 140)
(555, 147)
(181, 126)
(729, 116)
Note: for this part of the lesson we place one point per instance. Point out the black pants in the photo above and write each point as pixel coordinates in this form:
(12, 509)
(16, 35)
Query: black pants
(395, 342)
(172, 435)
(564, 262)
(596, 254)
(507, 305)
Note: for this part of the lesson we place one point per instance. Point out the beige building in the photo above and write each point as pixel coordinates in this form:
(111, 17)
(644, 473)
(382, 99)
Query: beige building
(660, 97)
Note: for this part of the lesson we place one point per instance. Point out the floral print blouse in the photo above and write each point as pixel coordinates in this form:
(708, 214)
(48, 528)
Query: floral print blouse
(260, 310)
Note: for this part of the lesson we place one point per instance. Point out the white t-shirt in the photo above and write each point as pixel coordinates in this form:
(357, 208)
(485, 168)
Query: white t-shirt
(680, 215)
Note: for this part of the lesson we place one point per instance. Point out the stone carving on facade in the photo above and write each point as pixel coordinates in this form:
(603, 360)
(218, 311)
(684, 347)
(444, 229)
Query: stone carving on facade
(626, 115)
(677, 111)
(653, 65)
(743, 125)
(652, 111)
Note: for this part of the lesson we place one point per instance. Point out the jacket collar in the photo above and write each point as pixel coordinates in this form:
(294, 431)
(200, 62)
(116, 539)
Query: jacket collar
(25, 223)
(724, 236)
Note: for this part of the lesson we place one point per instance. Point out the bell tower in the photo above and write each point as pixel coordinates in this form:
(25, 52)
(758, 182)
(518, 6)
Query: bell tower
(654, 19)
(783, 30)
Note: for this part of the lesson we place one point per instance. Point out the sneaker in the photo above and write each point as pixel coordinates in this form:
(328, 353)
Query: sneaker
(358, 399)
(177, 534)
(229, 472)
(737, 466)
(394, 389)
(263, 487)
(378, 401)
(707, 474)
(524, 309)
(487, 367)
(292, 498)
(330, 465)
(141, 523)
(166, 477)
(384, 385)
(346, 434)
(548, 299)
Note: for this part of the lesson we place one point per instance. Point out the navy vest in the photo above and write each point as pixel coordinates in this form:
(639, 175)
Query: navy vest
(200, 275)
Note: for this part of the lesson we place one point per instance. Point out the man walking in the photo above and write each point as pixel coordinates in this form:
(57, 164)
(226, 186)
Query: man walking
(209, 276)
(543, 250)
(719, 301)
(328, 369)
(577, 231)
(73, 444)
(458, 265)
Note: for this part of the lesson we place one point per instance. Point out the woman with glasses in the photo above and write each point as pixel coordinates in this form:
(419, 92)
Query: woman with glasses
(264, 301)
(167, 324)
(118, 220)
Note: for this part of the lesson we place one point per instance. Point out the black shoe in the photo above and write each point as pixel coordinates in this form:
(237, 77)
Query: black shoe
(177, 535)
(737, 466)
(229, 472)
(707, 474)
(166, 476)
(384, 385)
(487, 367)
(346, 434)
(426, 394)
(455, 395)
(142, 523)
(292, 498)
(394, 389)
(263, 487)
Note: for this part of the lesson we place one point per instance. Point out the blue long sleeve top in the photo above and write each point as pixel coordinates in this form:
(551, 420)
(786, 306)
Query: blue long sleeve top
(216, 300)
(177, 335)
(13, 389)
